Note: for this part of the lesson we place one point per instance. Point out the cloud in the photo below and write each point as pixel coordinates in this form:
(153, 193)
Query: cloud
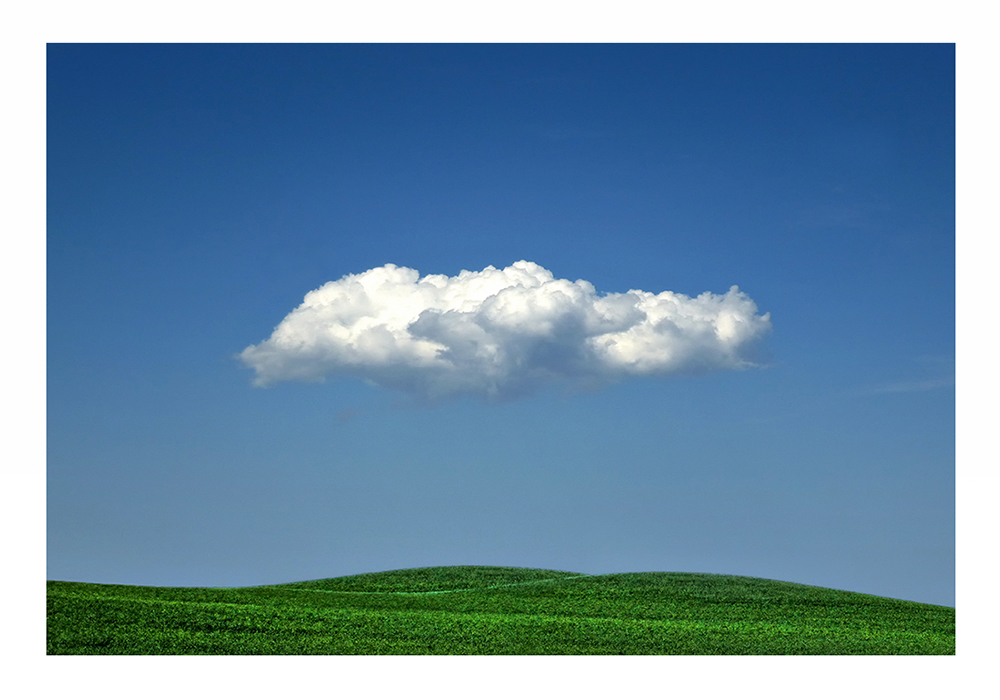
(500, 334)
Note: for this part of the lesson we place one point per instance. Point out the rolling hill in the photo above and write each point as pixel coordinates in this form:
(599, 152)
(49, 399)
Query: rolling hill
(493, 610)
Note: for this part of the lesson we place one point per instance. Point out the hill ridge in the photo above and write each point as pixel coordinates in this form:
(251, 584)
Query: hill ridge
(292, 587)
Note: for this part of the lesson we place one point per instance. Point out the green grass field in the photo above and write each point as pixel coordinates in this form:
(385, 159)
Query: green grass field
(493, 610)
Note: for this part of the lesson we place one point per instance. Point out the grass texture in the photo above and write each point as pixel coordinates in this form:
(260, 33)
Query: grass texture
(493, 610)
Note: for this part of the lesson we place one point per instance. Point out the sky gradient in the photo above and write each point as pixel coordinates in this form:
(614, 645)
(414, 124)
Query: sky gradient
(197, 194)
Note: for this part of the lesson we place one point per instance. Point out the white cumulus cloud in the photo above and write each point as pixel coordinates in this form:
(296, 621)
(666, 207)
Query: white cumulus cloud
(500, 333)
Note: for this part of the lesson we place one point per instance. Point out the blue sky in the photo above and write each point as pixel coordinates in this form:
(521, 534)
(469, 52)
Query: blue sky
(196, 194)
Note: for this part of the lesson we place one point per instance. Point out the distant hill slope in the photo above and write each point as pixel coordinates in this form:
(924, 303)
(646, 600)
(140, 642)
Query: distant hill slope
(494, 610)
(438, 578)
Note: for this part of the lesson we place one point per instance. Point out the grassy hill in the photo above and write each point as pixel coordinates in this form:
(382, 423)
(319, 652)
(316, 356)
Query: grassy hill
(493, 610)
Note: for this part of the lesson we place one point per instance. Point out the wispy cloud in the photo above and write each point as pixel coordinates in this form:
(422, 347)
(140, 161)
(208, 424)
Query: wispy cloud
(500, 334)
